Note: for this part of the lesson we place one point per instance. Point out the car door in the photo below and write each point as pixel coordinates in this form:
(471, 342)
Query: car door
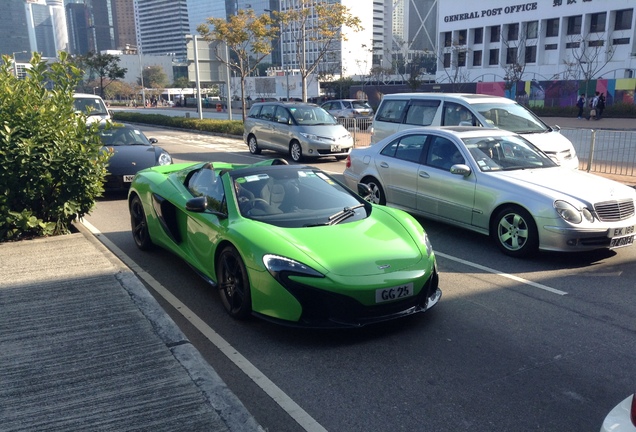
(441, 194)
(281, 130)
(398, 165)
(265, 126)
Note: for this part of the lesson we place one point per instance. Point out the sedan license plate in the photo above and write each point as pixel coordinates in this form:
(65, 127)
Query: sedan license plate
(129, 178)
(393, 293)
(620, 237)
(617, 242)
(335, 149)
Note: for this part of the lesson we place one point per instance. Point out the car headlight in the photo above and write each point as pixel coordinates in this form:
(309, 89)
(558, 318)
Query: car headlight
(164, 159)
(571, 214)
(309, 136)
(278, 266)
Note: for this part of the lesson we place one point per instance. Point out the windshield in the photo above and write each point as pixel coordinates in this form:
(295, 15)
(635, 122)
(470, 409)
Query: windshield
(90, 106)
(360, 104)
(312, 116)
(506, 153)
(295, 197)
(119, 136)
(510, 116)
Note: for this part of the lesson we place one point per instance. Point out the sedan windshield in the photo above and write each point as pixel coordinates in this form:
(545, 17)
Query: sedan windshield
(506, 153)
(511, 117)
(120, 136)
(295, 197)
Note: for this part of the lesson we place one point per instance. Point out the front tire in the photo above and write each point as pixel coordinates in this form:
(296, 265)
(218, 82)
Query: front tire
(252, 144)
(139, 224)
(377, 193)
(515, 232)
(234, 285)
(296, 151)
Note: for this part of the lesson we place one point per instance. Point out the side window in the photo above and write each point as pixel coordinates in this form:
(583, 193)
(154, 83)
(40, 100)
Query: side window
(457, 115)
(254, 112)
(390, 149)
(422, 112)
(410, 147)
(207, 184)
(267, 112)
(443, 153)
(328, 106)
(281, 115)
(391, 111)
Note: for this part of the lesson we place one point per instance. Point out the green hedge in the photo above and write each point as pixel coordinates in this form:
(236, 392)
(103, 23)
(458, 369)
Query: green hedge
(226, 127)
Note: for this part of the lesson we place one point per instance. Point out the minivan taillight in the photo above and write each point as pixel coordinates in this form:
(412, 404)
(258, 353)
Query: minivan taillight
(348, 165)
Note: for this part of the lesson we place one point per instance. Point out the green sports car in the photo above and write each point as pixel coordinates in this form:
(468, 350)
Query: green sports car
(287, 243)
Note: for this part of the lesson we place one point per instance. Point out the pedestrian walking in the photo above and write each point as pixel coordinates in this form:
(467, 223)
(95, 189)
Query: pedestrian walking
(581, 105)
(593, 103)
(600, 106)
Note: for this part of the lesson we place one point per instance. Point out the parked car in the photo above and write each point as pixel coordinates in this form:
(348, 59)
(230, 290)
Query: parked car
(350, 108)
(495, 182)
(407, 110)
(622, 418)
(131, 151)
(300, 129)
(92, 106)
(287, 243)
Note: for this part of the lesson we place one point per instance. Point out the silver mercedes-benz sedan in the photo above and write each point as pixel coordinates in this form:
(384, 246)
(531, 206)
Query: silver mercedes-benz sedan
(497, 183)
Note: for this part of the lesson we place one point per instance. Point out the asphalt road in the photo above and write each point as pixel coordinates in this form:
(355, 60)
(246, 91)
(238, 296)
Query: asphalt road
(545, 344)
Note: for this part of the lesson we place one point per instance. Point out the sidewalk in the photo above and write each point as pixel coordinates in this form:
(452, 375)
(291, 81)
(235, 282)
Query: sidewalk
(84, 346)
(605, 123)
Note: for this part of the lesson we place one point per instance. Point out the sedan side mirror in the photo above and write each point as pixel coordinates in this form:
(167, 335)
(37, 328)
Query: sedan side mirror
(461, 169)
(153, 140)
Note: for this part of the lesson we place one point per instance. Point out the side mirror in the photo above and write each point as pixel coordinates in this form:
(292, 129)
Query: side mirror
(197, 205)
(461, 169)
(153, 140)
(364, 190)
(283, 120)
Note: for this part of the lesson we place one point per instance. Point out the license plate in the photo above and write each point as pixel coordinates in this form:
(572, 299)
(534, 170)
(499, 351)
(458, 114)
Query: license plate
(335, 148)
(621, 232)
(128, 178)
(393, 293)
(617, 242)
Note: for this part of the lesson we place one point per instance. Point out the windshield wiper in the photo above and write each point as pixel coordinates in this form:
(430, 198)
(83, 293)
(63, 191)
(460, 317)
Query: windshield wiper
(345, 213)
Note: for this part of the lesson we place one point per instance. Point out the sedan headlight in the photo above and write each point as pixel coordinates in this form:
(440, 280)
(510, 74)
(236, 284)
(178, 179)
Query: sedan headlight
(278, 266)
(164, 159)
(571, 214)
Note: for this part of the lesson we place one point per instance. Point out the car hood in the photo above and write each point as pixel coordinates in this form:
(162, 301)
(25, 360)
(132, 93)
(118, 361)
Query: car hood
(555, 182)
(372, 246)
(550, 141)
(130, 159)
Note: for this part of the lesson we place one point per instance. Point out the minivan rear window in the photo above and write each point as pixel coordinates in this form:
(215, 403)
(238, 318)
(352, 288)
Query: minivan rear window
(422, 112)
(391, 111)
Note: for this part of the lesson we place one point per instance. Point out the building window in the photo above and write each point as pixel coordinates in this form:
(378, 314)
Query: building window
(552, 27)
(595, 43)
(513, 32)
(572, 45)
(448, 39)
(532, 30)
(623, 19)
(620, 41)
(574, 25)
(550, 47)
(477, 58)
(597, 22)
(531, 54)
(511, 55)
(478, 35)
(495, 34)
(494, 57)
(447, 59)
(461, 36)
(461, 59)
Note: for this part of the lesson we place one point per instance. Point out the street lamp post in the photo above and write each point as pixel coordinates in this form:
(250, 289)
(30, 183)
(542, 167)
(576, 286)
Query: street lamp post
(15, 64)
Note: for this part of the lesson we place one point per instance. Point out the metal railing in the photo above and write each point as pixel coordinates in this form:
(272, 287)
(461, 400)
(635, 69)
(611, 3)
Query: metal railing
(604, 151)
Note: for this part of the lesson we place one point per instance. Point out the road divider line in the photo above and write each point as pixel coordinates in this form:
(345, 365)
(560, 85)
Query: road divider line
(502, 274)
(272, 390)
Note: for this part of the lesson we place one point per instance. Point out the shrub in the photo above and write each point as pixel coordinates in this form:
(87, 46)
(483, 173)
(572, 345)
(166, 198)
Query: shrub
(226, 127)
(51, 164)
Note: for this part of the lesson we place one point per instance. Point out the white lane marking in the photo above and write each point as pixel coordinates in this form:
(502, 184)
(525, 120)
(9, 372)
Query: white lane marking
(502, 274)
(272, 390)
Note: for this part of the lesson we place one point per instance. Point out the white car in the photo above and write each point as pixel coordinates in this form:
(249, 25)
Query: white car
(497, 183)
(622, 418)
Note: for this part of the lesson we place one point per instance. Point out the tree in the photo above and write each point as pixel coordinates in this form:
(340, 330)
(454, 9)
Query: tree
(453, 58)
(590, 55)
(319, 24)
(104, 67)
(52, 167)
(248, 38)
(154, 77)
(181, 82)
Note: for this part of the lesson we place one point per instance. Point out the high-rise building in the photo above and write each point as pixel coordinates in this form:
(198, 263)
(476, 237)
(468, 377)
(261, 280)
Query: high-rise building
(125, 34)
(162, 27)
(14, 32)
(91, 25)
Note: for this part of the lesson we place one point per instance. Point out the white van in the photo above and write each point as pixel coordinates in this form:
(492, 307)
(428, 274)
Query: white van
(92, 106)
(408, 110)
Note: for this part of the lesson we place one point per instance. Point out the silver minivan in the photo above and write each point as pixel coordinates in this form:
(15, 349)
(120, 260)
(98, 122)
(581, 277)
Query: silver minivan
(408, 110)
(300, 129)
